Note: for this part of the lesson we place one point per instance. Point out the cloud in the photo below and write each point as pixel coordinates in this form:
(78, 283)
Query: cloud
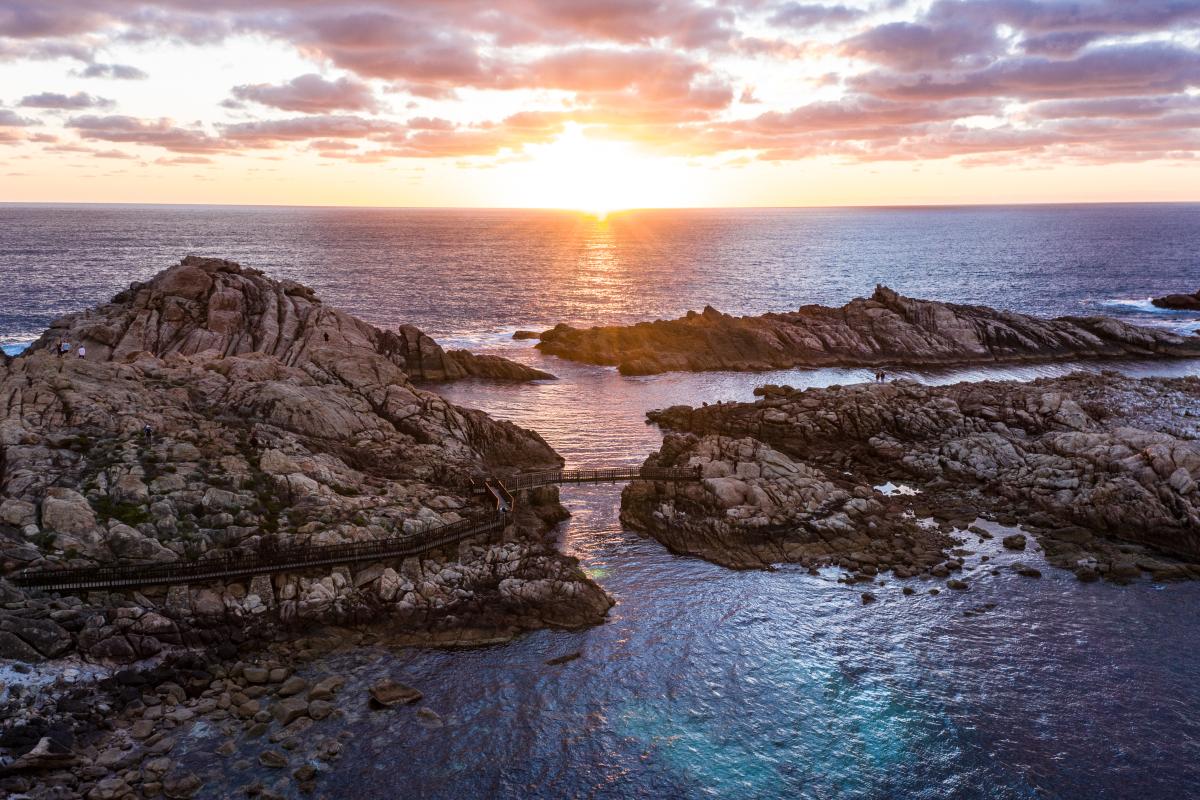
(311, 94)
(1115, 107)
(156, 133)
(1059, 44)
(10, 119)
(54, 100)
(971, 79)
(265, 133)
(179, 161)
(1117, 70)
(912, 46)
(808, 15)
(119, 72)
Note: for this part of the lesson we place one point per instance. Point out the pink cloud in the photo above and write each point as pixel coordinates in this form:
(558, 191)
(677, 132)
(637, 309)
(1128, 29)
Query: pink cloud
(54, 100)
(131, 130)
(311, 94)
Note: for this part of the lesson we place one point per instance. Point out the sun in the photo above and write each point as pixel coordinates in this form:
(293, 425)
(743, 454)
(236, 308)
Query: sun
(594, 176)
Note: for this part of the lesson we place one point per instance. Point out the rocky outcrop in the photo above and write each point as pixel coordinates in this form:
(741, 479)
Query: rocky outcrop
(1179, 302)
(1081, 460)
(180, 437)
(425, 359)
(756, 506)
(209, 305)
(495, 367)
(886, 329)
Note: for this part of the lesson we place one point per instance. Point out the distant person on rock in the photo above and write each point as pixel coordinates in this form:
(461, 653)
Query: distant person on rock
(64, 347)
(148, 433)
(82, 351)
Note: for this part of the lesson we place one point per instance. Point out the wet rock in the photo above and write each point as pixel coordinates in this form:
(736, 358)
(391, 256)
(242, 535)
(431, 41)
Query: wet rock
(272, 759)
(957, 585)
(293, 685)
(111, 788)
(1178, 302)
(1026, 570)
(289, 709)
(305, 772)
(1014, 542)
(13, 648)
(563, 659)
(429, 718)
(256, 674)
(181, 785)
(320, 709)
(326, 688)
(387, 693)
(868, 598)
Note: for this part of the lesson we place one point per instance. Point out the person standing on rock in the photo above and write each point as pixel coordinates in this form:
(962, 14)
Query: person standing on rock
(64, 347)
(81, 351)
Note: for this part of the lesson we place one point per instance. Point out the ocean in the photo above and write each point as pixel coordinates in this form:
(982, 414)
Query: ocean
(706, 682)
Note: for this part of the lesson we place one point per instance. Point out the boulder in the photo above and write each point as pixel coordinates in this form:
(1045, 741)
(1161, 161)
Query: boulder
(67, 511)
(387, 693)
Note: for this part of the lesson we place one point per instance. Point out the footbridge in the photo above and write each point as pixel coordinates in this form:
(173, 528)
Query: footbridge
(289, 558)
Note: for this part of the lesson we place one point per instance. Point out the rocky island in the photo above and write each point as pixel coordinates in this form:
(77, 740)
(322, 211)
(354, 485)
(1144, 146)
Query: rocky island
(218, 411)
(885, 329)
(1102, 468)
(1178, 302)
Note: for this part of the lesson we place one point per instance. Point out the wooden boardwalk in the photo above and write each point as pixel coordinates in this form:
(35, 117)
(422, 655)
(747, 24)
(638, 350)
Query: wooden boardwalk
(305, 556)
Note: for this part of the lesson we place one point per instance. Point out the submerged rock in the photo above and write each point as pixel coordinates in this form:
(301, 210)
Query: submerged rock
(387, 693)
(886, 329)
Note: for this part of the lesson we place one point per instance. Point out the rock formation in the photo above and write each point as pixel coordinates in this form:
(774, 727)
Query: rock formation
(756, 506)
(1081, 461)
(208, 305)
(272, 419)
(1179, 302)
(883, 330)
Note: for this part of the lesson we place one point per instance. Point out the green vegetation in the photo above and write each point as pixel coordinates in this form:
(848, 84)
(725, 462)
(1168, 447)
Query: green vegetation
(129, 513)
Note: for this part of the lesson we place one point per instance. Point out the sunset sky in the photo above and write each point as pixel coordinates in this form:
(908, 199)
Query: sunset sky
(599, 104)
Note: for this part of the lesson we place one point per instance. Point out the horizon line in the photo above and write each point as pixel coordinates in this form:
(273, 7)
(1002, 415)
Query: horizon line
(612, 212)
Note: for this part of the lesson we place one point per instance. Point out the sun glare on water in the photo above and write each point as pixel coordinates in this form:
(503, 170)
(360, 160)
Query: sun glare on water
(596, 177)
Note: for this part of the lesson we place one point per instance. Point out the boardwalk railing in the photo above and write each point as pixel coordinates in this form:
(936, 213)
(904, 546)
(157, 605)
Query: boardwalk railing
(304, 556)
(532, 480)
(283, 559)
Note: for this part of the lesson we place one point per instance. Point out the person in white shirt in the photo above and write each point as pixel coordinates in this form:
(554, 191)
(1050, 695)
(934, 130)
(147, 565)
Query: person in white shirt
(82, 351)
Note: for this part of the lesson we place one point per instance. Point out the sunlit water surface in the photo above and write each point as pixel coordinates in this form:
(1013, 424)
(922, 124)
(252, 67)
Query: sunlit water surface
(706, 682)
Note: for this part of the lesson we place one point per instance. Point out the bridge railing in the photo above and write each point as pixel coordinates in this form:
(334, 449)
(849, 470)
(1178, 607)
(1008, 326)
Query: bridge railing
(532, 480)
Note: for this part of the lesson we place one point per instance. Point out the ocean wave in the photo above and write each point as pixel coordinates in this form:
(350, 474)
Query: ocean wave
(482, 340)
(15, 348)
(1143, 306)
